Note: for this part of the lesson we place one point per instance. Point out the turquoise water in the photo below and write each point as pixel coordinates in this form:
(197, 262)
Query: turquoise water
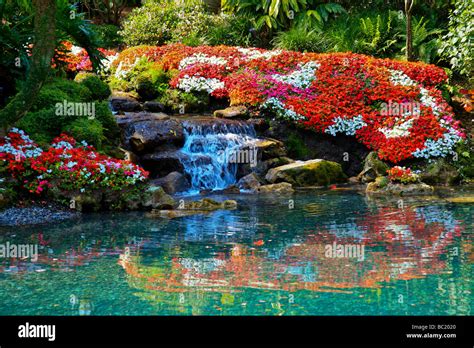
(271, 256)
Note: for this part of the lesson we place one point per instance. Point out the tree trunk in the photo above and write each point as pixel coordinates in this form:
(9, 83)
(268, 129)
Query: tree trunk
(409, 34)
(40, 65)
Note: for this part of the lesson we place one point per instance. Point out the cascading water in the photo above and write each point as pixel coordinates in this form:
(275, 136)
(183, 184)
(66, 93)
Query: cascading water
(207, 149)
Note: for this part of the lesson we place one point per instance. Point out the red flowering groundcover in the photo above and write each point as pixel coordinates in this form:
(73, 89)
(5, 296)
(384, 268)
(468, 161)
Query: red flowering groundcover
(391, 106)
(69, 165)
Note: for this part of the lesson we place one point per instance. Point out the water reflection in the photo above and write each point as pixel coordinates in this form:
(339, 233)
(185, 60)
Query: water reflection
(264, 258)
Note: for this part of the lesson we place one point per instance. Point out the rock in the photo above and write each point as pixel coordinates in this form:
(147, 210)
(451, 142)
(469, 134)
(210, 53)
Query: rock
(121, 102)
(156, 198)
(249, 182)
(238, 111)
(233, 189)
(147, 135)
(440, 173)
(153, 106)
(172, 183)
(87, 202)
(373, 167)
(417, 189)
(130, 117)
(315, 172)
(262, 167)
(270, 148)
(207, 204)
(280, 188)
(259, 124)
(129, 156)
(162, 163)
(305, 144)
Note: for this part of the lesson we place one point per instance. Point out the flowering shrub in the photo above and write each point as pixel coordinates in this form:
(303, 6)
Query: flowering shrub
(330, 93)
(66, 164)
(402, 174)
(75, 59)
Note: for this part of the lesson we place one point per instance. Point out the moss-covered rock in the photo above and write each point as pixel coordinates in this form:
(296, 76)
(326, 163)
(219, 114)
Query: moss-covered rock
(155, 197)
(440, 173)
(280, 188)
(392, 189)
(373, 168)
(315, 172)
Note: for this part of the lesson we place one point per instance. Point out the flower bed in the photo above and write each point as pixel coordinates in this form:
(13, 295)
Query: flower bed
(402, 174)
(338, 93)
(66, 165)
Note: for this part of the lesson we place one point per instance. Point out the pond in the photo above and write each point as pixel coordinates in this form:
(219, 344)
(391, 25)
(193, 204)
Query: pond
(327, 252)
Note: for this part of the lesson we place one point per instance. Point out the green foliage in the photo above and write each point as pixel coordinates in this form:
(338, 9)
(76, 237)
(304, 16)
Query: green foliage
(457, 44)
(280, 14)
(176, 101)
(156, 23)
(296, 147)
(84, 129)
(104, 115)
(146, 78)
(59, 90)
(426, 41)
(231, 30)
(108, 35)
(300, 39)
(43, 125)
(377, 35)
(98, 88)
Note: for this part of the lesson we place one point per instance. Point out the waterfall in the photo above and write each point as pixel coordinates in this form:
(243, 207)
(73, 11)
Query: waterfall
(209, 149)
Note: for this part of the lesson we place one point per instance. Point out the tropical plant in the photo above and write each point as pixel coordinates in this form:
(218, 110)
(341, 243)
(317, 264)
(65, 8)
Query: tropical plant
(458, 44)
(301, 39)
(426, 41)
(282, 14)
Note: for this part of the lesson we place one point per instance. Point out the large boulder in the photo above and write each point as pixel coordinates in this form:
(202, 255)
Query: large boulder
(203, 206)
(153, 106)
(173, 182)
(270, 148)
(316, 172)
(373, 168)
(262, 167)
(238, 111)
(123, 102)
(145, 136)
(393, 189)
(440, 173)
(249, 182)
(162, 163)
(156, 198)
(280, 188)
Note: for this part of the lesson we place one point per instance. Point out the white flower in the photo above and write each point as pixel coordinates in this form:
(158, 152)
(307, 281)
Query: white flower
(279, 109)
(348, 126)
(200, 83)
(201, 58)
(302, 77)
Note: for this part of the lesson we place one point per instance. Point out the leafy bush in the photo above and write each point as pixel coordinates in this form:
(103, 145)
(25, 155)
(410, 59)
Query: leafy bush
(276, 14)
(457, 43)
(108, 35)
(302, 40)
(43, 125)
(98, 88)
(232, 30)
(176, 101)
(83, 129)
(107, 120)
(156, 23)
